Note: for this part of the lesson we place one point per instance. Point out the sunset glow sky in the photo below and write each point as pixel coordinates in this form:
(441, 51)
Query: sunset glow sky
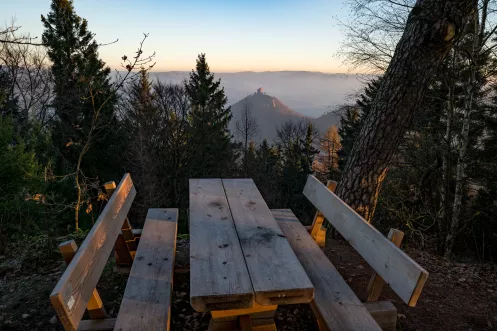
(236, 35)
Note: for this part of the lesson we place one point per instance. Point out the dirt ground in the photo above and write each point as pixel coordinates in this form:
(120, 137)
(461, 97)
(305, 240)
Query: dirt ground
(457, 296)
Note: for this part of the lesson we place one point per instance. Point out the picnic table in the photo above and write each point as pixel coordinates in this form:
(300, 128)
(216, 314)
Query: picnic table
(241, 264)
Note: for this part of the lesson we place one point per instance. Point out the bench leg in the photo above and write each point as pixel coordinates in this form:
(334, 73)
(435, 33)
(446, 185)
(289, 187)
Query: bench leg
(317, 230)
(122, 253)
(376, 283)
(260, 318)
(127, 242)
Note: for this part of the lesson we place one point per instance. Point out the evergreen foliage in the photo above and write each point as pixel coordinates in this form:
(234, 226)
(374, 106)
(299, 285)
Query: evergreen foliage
(84, 101)
(21, 180)
(210, 140)
(352, 117)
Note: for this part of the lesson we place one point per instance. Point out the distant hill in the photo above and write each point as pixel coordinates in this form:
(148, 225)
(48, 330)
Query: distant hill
(309, 93)
(323, 122)
(270, 113)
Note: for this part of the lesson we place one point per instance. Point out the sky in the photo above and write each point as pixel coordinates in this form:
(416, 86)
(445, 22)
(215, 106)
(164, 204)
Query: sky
(236, 35)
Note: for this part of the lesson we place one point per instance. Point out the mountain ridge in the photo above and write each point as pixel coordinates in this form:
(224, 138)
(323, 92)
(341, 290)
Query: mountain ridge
(310, 93)
(271, 113)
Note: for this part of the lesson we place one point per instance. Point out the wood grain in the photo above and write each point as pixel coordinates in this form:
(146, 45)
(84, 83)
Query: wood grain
(147, 299)
(258, 311)
(376, 283)
(74, 289)
(384, 313)
(276, 274)
(335, 304)
(95, 306)
(402, 273)
(219, 278)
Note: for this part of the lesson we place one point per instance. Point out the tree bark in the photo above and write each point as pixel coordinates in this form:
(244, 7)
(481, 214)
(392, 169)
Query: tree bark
(430, 32)
(471, 89)
(446, 167)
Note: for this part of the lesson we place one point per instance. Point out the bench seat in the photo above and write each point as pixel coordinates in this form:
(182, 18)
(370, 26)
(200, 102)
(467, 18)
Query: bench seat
(335, 304)
(147, 298)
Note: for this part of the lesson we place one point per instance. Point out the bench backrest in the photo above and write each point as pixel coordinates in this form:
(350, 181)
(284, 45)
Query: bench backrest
(403, 274)
(74, 289)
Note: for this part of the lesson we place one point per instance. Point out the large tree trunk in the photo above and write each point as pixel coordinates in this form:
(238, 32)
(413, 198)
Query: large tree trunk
(430, 32)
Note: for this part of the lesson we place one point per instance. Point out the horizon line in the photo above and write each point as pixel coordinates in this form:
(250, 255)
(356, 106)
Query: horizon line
(267, 71)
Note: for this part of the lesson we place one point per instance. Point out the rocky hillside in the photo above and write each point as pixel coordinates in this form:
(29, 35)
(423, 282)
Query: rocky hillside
(270, 113)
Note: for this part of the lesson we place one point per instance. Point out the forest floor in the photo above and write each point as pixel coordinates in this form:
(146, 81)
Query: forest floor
(457, 296)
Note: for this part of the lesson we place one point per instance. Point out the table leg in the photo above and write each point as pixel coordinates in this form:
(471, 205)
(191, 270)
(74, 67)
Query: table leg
(260, 318)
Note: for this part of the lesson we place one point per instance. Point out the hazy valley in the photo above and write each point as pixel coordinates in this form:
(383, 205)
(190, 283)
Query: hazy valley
(288, 95)
(309, 93)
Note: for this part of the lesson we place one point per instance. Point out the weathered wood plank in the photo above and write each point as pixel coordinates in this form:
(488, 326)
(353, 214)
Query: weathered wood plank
(147, 298)
(335, 304)
(258, 311)
(403, 274)
(95, 306)
(276, 274)
(122, 250)
(376, 283)
(71, 294)
(219, 278)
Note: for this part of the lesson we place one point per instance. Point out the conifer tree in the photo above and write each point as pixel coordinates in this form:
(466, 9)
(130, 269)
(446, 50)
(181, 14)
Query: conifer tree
(351, 121)
(140, 110)
(143, 127)
(297, 156)
(81, 85)
(249, 161)
(84, 103)
(210, 140)
(267, 172)
(267, 161)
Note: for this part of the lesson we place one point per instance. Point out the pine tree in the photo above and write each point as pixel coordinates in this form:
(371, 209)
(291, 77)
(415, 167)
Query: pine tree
(249, 161)
(267, 162)
(210, 140)
(351, 121)
(308, 151)
(142, 148)
(413, 65)
(141, 113)
(297, 157)
(84, 103)
(81, 84)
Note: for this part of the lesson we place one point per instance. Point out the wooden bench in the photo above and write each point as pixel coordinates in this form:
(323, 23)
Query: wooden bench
(147, 298)
(335, 305)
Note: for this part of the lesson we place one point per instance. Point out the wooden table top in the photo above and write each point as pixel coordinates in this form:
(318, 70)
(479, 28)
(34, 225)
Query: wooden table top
(238, 253)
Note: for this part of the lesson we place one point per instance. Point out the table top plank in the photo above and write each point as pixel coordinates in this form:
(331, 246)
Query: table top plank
(276, 273)
(219, 278)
